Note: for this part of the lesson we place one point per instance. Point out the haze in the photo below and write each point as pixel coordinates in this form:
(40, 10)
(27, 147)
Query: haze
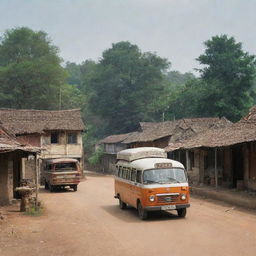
(174, 29)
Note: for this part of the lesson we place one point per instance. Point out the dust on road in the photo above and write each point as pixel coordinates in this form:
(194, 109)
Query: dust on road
(89, 222)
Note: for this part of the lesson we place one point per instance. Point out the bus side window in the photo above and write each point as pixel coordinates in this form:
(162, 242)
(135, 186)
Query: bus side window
(133, 175)
(119, 171)
(124, 173)
(128, 175)
(138, 177)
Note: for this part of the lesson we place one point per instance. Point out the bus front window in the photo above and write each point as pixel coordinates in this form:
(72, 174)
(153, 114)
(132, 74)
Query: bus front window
(162, 176)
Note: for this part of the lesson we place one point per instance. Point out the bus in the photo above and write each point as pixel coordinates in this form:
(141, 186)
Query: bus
(148, 181)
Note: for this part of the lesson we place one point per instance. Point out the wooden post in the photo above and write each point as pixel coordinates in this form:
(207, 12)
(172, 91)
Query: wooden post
(37, 187)
(187, 160)
(215, 167)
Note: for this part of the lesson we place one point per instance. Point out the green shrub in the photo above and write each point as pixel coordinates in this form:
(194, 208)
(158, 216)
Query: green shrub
(95, 158)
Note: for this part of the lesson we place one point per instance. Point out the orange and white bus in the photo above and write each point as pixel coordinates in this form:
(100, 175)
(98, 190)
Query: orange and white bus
(147, 180)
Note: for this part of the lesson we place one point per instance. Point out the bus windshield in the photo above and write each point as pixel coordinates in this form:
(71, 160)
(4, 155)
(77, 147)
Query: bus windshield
(163, 176)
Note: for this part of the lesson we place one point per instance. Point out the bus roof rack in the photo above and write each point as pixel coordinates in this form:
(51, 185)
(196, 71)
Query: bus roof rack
(132, 154)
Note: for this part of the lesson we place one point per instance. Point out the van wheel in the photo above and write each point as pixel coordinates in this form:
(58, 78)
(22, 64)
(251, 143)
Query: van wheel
(122, 205)
(182, 212)
(143, 214)
(51, 187)
(46, 186)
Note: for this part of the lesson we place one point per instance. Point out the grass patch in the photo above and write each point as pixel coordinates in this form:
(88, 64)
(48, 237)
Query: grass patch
(34, 211)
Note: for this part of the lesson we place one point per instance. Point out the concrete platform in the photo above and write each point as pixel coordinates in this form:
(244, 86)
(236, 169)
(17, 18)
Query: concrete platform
(244, 199)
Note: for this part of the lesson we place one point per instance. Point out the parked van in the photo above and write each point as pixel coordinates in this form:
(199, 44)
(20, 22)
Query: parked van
(148, 181)
(62, 172)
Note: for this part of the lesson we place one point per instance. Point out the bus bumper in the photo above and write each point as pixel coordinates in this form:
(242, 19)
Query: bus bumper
(166, 207)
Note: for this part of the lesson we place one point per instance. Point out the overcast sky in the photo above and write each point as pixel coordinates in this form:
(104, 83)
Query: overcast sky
(174, 29)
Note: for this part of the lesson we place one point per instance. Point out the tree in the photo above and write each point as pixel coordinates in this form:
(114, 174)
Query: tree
(228, 75)
(30, 72)
(74, 73)
(124, 85)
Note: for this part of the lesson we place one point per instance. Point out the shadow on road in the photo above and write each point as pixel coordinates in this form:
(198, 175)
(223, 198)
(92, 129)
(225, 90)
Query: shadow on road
(130, 214)
(47, 191)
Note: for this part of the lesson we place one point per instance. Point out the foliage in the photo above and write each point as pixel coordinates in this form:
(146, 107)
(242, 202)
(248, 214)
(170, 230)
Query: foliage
(74, 74)
(186, 100)
(95, 158)
(228, 75)
(176, 78)
(30, 72)
(34, 211)
(123, 86)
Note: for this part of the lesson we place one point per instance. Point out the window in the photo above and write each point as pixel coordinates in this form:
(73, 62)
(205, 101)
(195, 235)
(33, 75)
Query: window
(54, 138)
(62, 167)
(138, 178)
(128, 174)
(72, 138)
(133, 176)
(124, 173)
(49, 167)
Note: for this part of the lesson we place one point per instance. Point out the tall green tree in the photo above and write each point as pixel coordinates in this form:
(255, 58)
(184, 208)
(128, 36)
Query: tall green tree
(124, 85)
(228, 74)
(31, 75)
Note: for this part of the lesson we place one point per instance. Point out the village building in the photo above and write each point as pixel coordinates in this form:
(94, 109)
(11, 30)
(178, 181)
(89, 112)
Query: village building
(57, 133)
(223, 156)
(163, 133)
(153, 134)
(11, 170)
(111, 146)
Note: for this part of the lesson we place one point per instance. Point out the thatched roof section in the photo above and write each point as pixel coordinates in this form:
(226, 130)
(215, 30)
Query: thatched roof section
(119, 138)
(178, 129)
(243, 131)
(26, 121)
(251, 116)
(9, 143)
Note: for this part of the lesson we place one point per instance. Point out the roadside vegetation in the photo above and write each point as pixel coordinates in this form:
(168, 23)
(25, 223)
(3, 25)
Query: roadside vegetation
(126, 86)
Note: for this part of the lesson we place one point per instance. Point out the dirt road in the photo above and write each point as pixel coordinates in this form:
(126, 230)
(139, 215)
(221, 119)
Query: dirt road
(89, 222)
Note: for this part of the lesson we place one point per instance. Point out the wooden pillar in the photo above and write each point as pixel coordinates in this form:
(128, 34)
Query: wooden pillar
(201, 166)
(187, 160)
(37, 178)
(215, 167)
(246, 164)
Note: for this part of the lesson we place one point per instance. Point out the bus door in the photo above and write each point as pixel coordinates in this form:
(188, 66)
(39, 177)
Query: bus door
(135, 189)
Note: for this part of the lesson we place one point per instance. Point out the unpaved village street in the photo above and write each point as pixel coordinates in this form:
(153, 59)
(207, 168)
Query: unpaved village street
(89, 222)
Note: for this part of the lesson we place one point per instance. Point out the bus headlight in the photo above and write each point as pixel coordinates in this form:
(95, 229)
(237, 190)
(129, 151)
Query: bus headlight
(152, 198)
(183, 197)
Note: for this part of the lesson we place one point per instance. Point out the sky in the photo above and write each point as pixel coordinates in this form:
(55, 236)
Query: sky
(173, 29)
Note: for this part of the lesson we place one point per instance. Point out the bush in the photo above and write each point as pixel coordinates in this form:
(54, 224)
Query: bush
(95, 158)
(32, 210)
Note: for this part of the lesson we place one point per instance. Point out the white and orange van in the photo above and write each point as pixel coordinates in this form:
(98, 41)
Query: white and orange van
(148, 181)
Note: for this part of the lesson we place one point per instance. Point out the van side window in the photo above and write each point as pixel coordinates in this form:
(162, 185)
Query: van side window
(138, 177)
(48, 167)
(133, 175)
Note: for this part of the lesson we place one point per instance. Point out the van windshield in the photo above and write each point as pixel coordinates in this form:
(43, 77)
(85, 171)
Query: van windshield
(63, 167)
(163, 176)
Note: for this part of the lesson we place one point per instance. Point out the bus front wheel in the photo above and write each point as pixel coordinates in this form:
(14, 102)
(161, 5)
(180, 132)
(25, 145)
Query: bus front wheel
(182, 212)
(143, 214)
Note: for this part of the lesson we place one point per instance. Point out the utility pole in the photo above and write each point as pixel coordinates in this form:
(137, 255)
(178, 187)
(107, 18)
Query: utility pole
(60, 99)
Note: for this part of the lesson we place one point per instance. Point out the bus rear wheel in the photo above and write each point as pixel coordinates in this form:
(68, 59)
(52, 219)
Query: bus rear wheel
(182, 212)
(143, 214)
(122, 205)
